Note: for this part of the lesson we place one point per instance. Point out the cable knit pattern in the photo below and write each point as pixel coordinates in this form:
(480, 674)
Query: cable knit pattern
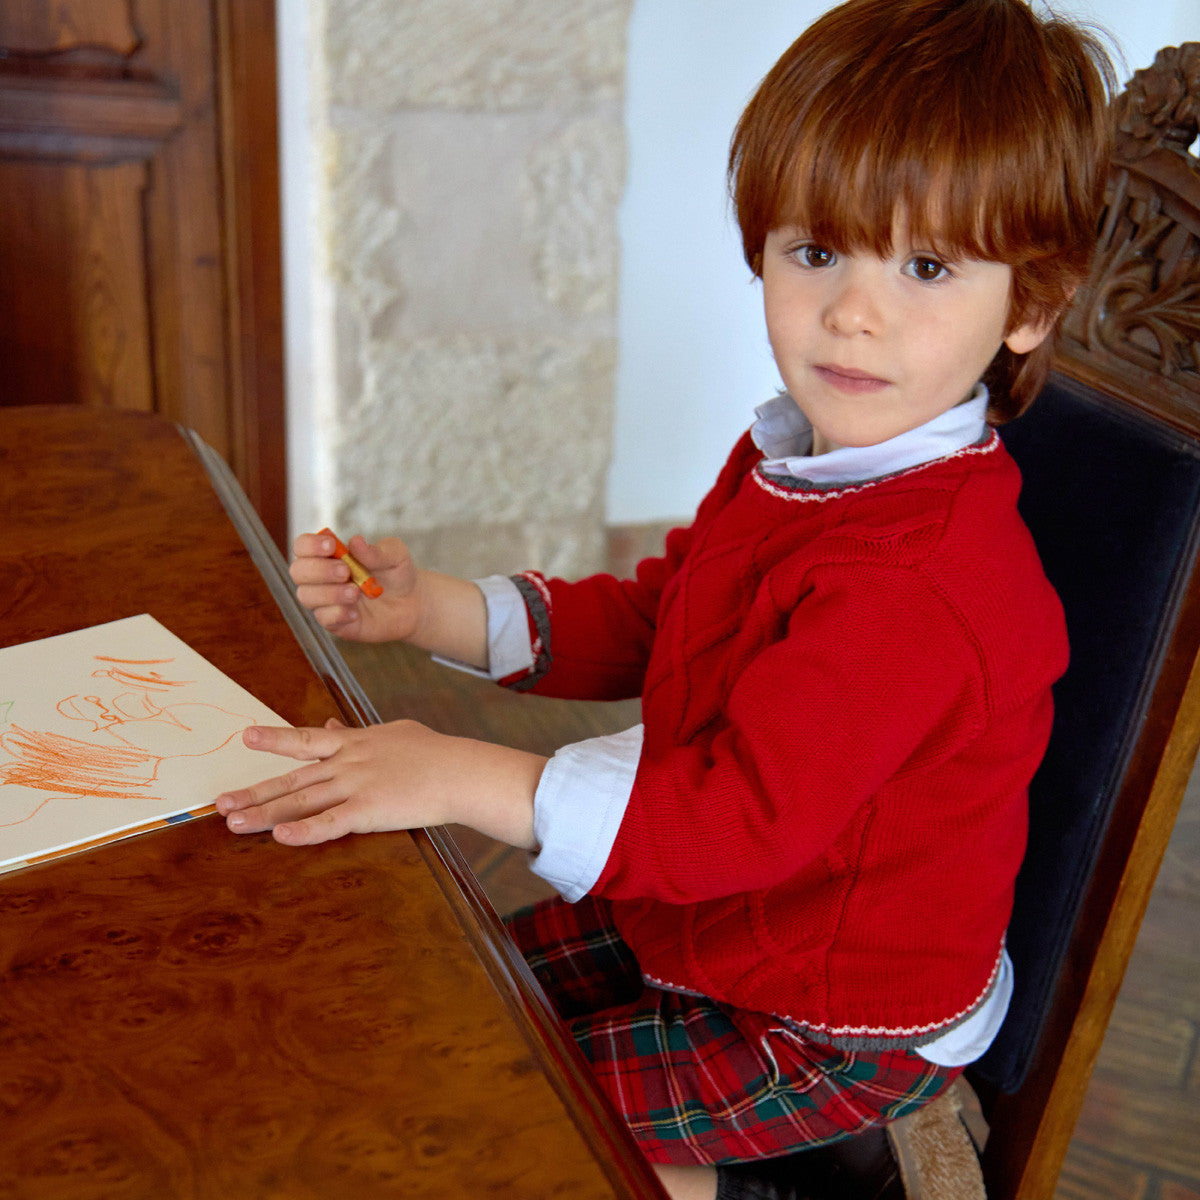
(843, 705)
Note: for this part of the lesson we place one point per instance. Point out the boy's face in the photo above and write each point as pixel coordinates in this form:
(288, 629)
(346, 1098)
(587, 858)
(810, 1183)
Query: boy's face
(871, 347)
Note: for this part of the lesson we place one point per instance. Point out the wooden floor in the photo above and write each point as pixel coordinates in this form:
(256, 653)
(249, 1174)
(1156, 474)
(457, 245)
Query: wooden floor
(1139, 1134)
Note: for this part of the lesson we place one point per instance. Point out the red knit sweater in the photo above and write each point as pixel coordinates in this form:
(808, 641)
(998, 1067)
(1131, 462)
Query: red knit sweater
(845, 693)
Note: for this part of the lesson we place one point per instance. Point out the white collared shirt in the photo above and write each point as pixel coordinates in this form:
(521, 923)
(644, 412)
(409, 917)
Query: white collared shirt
(784, 435)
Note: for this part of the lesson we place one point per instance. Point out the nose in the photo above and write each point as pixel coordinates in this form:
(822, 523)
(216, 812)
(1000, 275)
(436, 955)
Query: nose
(852, 307)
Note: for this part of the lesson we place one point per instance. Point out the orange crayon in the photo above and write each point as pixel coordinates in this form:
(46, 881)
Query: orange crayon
(358, 573)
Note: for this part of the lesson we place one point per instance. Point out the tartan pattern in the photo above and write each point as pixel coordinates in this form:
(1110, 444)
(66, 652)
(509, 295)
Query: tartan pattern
(698, 1081)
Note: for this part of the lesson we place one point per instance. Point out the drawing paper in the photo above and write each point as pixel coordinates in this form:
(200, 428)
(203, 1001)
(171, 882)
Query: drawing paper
(114, 729)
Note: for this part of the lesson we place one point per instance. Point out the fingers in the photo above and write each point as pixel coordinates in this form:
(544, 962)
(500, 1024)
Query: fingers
(315, 556)
(252, 811)
(354, 781)
(311, 568)
(287, 802)
(258, 737)
(372, 557)
(320, 549)
(324, 584)
(303, 818)
(314, 545)
(324, 826)
(302, 807)
(341, 619)
(301, 743)
(387, 553)
(309, 744)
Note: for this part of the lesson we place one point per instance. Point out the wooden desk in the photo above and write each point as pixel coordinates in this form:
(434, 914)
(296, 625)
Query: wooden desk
(190, 1014)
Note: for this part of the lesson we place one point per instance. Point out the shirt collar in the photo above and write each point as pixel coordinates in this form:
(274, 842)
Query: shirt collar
(784, 435)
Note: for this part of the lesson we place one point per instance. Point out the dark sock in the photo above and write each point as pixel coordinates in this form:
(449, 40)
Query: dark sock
(857, 1168)
(741, 1183)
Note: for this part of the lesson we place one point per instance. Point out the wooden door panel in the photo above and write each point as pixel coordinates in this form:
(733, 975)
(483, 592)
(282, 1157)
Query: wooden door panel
(139, 234)
(72, 286)
(31, 26)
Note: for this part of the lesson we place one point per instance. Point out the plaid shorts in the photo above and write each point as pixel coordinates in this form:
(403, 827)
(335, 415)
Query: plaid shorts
(696, 1080)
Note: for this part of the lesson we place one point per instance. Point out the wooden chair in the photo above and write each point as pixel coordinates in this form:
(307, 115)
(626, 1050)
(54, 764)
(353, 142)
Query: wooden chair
(1110, 455)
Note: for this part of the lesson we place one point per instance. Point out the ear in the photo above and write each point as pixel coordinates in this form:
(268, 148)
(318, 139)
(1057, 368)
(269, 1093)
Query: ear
(1029, 335)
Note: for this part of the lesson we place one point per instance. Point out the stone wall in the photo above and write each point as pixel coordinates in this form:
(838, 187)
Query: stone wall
(475, 160)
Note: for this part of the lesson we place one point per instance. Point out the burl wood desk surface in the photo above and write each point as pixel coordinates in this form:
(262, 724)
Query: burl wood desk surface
(190, 1014)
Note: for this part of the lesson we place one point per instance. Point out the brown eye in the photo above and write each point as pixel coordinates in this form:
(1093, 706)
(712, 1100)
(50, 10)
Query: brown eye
(815, 256)
(927, 270)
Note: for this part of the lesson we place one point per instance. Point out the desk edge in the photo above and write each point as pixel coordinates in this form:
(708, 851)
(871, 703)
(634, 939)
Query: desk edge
(601, 1127)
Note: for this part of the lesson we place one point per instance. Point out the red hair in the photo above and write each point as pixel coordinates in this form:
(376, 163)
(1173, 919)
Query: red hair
(983, 126)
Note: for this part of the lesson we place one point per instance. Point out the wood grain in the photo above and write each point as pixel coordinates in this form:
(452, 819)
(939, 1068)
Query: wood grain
(194, 1015)
(191, 1014)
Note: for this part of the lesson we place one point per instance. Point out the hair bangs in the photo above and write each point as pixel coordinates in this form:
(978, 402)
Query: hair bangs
(864, 185)
(934, 165)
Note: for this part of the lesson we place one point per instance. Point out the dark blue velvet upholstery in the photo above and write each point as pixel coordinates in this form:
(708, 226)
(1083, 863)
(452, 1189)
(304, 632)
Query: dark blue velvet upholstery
(1113, 500)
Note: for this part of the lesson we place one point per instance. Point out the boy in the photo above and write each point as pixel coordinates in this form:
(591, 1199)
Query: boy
(785, 893)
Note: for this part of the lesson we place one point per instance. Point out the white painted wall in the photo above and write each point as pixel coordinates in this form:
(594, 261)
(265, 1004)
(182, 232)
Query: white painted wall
(694, 358)
(308, 332)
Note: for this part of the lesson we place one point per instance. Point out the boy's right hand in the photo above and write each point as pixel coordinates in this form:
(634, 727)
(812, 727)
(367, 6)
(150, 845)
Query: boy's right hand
(323, 585)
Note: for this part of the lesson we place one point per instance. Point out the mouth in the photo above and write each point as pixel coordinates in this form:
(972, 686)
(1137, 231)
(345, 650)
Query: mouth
(849, 379)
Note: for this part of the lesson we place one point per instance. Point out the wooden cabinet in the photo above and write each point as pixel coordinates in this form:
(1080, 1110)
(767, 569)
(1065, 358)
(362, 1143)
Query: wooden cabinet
(139, 219)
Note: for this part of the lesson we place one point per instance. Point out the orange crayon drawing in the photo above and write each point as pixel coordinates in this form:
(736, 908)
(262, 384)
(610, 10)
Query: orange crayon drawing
(128, 713)
(131, 734)
(52, 762)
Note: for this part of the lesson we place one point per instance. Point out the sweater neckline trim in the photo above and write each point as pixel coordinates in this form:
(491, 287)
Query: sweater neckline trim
(794, 488)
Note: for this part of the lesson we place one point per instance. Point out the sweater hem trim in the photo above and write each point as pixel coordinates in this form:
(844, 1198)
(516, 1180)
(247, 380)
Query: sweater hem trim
(868, 1037)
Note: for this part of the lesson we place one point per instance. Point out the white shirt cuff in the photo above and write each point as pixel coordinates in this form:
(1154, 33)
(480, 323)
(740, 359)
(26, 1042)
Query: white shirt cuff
(509, 651)
(578, 808)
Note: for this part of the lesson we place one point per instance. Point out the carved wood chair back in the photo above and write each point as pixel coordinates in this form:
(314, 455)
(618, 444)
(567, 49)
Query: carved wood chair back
(1110, 454)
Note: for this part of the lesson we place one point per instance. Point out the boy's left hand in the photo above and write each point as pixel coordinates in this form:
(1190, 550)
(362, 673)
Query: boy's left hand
(397, 776)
